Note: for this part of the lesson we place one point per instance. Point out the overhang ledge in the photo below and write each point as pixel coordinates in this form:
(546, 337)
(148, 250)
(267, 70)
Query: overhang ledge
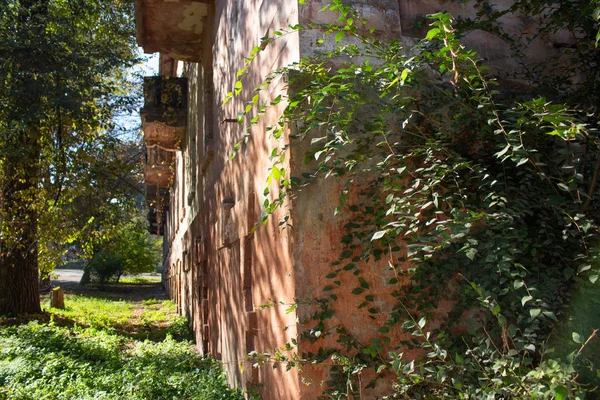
(173, 27)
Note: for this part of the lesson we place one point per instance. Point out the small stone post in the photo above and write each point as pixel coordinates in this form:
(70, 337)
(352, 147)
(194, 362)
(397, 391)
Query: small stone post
(57, 298)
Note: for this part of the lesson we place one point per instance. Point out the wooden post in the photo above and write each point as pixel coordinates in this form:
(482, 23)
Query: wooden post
(57, 298)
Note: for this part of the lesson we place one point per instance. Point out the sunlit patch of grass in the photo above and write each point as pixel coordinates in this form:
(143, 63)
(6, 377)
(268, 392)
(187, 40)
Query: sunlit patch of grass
(160, 318)
(140, 280)
(93, 311)
(149, 319)
(150, 302)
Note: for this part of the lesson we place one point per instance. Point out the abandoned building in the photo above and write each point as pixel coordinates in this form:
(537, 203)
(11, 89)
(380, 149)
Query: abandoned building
(217, 269)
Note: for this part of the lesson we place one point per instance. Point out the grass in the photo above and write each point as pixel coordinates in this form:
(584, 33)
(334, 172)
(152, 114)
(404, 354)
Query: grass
(95, 312)
(148, 319)
(99, 348)
(143, 280)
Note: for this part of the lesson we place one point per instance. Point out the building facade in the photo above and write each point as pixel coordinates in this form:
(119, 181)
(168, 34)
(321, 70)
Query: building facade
(217, 267)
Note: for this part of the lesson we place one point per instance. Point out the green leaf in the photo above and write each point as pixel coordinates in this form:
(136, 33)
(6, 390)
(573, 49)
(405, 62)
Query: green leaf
(577, 338)
(276, 100)
(471, 253)
(522, 161)
(583, 268)
(238, 87)
(349, 266)
(561, 393)
(276, 172)
(518, 284)
(339, 36)
(534, 312)
(404, 74)
(503, 151)
(378, 235)
(363, 283)
(357, 290)
(432, 33)
(525, 299)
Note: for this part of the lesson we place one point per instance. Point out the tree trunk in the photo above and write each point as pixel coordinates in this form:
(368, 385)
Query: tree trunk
(57, 298)
(19, 276)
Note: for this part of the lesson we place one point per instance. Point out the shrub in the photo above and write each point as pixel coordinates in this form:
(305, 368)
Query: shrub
(125, 249)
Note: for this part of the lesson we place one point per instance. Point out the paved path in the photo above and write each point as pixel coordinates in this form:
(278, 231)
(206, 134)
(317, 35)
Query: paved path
(67, 277)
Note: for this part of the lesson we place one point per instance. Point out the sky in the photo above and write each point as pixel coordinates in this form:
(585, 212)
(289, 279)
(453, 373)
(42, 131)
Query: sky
(130, 123)
(151, 64)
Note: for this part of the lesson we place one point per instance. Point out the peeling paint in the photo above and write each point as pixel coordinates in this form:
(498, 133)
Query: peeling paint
(193, 16)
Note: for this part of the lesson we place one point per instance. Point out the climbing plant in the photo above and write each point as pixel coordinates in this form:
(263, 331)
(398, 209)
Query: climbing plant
(460, 191)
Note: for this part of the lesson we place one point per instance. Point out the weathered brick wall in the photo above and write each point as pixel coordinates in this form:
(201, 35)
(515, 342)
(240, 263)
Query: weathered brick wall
(215, 203)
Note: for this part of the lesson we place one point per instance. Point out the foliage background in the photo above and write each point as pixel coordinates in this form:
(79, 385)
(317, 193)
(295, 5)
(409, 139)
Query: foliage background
(127, 248)
(63, 78)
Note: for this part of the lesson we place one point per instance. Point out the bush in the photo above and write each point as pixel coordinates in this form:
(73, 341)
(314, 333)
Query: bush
(125, 249)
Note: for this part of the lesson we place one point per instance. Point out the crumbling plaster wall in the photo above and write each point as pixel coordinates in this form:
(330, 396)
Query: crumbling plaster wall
(317, 231)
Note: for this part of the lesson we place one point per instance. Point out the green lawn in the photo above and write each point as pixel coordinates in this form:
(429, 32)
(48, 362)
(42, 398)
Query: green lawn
(93, 350)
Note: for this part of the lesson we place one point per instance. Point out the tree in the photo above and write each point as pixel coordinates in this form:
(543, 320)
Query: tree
(81, 217)
(62, 65)
(127, 248)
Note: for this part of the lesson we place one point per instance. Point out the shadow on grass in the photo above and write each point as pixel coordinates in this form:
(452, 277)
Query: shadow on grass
(120, 291)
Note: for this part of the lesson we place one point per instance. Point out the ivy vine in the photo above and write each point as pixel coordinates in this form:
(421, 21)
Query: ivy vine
(451, 181)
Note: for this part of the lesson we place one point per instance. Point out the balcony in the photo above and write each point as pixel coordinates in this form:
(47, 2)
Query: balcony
(164, 116)
(158, 174)
(156, 222)
(158, 168)
(175, 28)
(157, 199)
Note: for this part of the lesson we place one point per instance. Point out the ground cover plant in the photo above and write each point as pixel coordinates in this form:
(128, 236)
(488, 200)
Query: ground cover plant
(106, 349)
